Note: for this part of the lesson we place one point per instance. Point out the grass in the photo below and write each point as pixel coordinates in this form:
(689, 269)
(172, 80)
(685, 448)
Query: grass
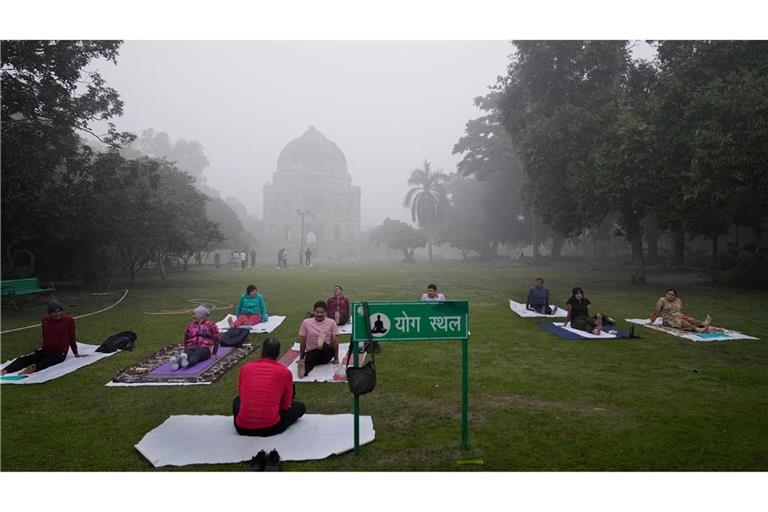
(536, 402)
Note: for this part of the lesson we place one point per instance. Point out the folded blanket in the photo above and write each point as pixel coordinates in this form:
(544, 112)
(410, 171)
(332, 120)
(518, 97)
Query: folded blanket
(716, 333)
(264, 327)
(182, 440)
(70, 364)
(521, 310)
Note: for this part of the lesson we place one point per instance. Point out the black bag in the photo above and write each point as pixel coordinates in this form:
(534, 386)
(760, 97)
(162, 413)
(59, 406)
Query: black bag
(362, 380)
(125, 340)
(235, 337)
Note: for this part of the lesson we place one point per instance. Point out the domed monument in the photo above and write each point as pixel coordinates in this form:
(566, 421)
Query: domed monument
(312, 179)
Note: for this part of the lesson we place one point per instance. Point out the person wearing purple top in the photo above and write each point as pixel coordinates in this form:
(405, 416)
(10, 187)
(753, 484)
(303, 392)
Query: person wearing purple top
(338, 306)
(538, 299)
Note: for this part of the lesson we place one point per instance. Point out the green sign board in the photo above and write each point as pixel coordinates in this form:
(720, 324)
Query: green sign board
(412, 321)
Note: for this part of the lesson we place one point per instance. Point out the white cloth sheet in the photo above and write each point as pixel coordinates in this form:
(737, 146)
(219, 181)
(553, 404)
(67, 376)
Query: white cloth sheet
(264, 327)
(526, 313)
(111, 384)
(69, 365)
(584, 334)
(345, 329)
(183, 440)
(726, 335)
(323, 372)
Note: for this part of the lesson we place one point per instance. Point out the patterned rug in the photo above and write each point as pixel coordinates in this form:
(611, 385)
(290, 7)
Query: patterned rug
(142, 373)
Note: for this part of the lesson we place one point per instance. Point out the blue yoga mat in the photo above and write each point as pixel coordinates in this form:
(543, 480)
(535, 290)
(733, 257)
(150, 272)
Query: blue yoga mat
(568, 335)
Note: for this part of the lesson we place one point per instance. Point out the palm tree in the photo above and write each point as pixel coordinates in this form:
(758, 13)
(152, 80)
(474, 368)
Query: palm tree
(427, 199)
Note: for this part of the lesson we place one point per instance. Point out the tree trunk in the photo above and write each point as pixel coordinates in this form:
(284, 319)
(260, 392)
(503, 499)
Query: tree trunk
(429, 249)
(161, 267)
(638, 261)
(652, 238)
(534, 238)
(678, 248)
(557, 245)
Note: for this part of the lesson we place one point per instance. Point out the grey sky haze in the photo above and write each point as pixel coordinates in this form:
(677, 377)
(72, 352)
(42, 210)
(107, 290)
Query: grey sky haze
(389, 105)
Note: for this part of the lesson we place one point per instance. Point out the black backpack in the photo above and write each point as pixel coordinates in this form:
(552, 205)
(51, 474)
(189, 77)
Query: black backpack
(125, 340)
(235, 337)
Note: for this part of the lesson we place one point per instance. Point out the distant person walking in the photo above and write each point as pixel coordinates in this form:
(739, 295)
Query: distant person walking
(308, 257)
(243, 260)
(217, 260)
(253, 257)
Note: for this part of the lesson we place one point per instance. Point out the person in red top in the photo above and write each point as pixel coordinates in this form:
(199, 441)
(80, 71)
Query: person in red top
(264, 405)
(58, 338)
(338, 306)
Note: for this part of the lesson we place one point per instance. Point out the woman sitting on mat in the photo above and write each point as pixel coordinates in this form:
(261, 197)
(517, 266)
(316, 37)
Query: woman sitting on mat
(201, 340)
(58, 339)
(580, 316)
(251, 309)
(338, 306)
(670, 308)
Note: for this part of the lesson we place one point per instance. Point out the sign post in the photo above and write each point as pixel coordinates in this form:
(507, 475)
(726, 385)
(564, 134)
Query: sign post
(415, 321)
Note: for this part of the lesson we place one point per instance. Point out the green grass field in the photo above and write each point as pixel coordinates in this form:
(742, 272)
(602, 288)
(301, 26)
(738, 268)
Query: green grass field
(536, 402)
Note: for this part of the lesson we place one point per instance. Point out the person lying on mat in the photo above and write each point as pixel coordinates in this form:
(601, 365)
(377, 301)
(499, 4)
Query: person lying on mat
(251, 309)
(670, 308)
(201, 340)
(265, 403)
(318, 337)
(338, 306)
(538, 299)
(432, 293)
(579, 314)
(58, 338)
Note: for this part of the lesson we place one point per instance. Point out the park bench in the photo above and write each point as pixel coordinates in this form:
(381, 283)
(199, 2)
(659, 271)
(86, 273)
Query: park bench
(14, 288)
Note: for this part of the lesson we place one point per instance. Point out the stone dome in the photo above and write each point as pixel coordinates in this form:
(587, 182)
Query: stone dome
(312, 153)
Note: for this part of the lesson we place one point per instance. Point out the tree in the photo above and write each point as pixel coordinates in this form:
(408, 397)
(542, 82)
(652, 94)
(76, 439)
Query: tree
(710, 105)
(427, 199)
(579, 112)
(48, 101)
(398, 236)
(489, 155)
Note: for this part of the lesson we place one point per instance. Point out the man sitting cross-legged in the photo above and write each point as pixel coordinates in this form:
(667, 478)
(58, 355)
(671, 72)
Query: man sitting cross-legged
(318, 336)
(264, 405)
(58, 338)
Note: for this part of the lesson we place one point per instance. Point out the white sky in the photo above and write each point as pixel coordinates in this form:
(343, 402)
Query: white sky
(388, 105)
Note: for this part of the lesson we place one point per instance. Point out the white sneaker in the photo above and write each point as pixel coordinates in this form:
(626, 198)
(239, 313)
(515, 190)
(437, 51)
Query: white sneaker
(183, 360)
(174, 363)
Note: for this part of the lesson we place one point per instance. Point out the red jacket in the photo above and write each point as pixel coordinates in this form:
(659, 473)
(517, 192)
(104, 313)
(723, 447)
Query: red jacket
(265, 388)
(59, 335)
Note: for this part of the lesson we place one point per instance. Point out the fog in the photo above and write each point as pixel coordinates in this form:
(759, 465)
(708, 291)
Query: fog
(388, 105)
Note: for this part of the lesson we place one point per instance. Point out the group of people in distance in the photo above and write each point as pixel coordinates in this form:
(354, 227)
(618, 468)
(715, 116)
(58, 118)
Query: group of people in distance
(580, 317)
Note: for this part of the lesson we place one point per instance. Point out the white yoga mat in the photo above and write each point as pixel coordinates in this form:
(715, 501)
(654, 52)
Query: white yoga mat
(69, 365)
(346, 328)
(264, 327)
(527, 313)
(584, 334)
(726, 335)
(111, 384)
(183, 440)
(323, 372)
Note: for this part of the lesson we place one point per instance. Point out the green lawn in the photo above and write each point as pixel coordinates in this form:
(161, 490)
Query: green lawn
(536, 402)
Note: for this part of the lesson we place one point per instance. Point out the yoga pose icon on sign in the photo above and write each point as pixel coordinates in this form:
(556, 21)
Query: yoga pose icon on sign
(380, 327)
